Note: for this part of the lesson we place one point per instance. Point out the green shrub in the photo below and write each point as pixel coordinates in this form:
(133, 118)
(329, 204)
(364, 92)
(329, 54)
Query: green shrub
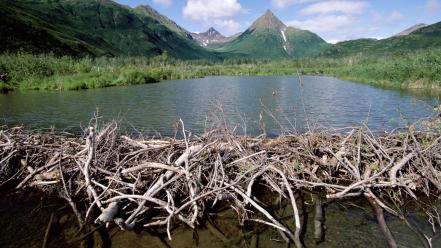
(421, 68)
(136, 77)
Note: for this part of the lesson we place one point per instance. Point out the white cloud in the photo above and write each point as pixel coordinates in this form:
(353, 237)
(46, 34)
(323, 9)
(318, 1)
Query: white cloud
(229, 26)
(333, 28)
(284, 3)
(166, 3)
(333, 41)
(327, 7)
(381, 19)
(203, 10)
(335, 20)
(395, 16)
(323, 23)
(432, 5)
(215, 13)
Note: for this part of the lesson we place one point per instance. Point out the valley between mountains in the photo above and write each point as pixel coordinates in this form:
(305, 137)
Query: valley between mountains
(36, 33)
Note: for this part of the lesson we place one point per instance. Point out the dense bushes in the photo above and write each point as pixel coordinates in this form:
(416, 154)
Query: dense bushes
(421, 69)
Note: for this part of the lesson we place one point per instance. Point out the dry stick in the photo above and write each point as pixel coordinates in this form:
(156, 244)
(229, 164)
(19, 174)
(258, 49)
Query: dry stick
(169, 208)
(183, 133)
(432, 145)
(91, 154)
(192, 187)
(380, 203)
(262, 210)
(347, 137)
(247, 157)
(382, 222)
(36, 171)
(251, 183)
(213, 178)
(68, 198)
(188, 154)
(318, 219)
(7, 138)
(107, 188)
(204, 166)
(372, 140)
(7, 157)
(47, 232)
(393, 172)
(156, 201)
(355, 185)
(108, 214)
(359, 148)
(279, 228)
(162, 180)
(236, 181)
(313, 184)
(347, 166)
(150, 165)
(433, 171)
(297, 233)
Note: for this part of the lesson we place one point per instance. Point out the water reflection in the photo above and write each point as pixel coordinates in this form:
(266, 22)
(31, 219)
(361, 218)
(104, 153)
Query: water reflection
(319, 101)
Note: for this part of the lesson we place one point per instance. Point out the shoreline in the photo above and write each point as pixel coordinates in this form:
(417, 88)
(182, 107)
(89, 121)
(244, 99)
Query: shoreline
(21, 71)
(431, 89)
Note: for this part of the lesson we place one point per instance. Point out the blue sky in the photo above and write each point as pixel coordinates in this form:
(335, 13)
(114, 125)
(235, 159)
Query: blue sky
(333, 20)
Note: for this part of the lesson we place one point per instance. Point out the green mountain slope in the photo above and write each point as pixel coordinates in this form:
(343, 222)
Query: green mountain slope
(106, 28)
(268, 37)
(93, 27)
(422, 38)
(147, 11)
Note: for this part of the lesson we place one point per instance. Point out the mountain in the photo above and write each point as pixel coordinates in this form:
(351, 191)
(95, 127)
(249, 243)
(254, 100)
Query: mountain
(92, 27)
(105, 28)
(146, 10)
(411, 29)
(422, 38)
(268, 37)
(210, 37)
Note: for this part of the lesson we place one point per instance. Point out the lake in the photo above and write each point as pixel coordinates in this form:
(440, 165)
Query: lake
(285, 104)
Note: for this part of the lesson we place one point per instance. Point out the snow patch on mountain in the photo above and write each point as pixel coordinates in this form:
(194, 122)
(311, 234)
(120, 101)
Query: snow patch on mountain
(283, 35)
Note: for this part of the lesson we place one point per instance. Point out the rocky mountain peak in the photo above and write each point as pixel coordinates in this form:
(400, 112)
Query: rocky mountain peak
(209, 37)
(268, 20)
(212, 32)
(411, 29)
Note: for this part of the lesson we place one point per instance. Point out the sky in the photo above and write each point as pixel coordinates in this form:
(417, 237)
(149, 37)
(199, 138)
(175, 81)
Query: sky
(333, 20)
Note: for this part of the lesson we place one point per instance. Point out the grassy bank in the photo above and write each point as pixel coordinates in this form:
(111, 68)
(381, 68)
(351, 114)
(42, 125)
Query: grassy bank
(421, 69)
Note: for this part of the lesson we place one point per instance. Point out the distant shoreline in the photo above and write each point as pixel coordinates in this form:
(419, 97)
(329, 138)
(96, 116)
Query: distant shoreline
(23, 72)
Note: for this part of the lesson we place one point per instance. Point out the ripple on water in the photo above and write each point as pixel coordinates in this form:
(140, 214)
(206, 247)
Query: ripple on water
(321, 101)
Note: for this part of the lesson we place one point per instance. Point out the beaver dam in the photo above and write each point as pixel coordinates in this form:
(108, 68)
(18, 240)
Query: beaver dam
(138, 183)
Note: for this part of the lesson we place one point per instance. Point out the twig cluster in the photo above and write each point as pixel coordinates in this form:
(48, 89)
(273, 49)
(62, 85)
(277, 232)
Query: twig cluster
(137, 182)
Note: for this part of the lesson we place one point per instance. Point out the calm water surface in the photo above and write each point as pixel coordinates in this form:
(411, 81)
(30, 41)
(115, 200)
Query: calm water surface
(316, 102)
(323, 101)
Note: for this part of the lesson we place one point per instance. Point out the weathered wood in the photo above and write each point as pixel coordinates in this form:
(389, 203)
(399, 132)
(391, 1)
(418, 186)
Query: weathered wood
(379, 213)
(181, 179)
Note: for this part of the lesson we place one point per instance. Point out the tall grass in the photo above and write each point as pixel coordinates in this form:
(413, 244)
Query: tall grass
(420, 69)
